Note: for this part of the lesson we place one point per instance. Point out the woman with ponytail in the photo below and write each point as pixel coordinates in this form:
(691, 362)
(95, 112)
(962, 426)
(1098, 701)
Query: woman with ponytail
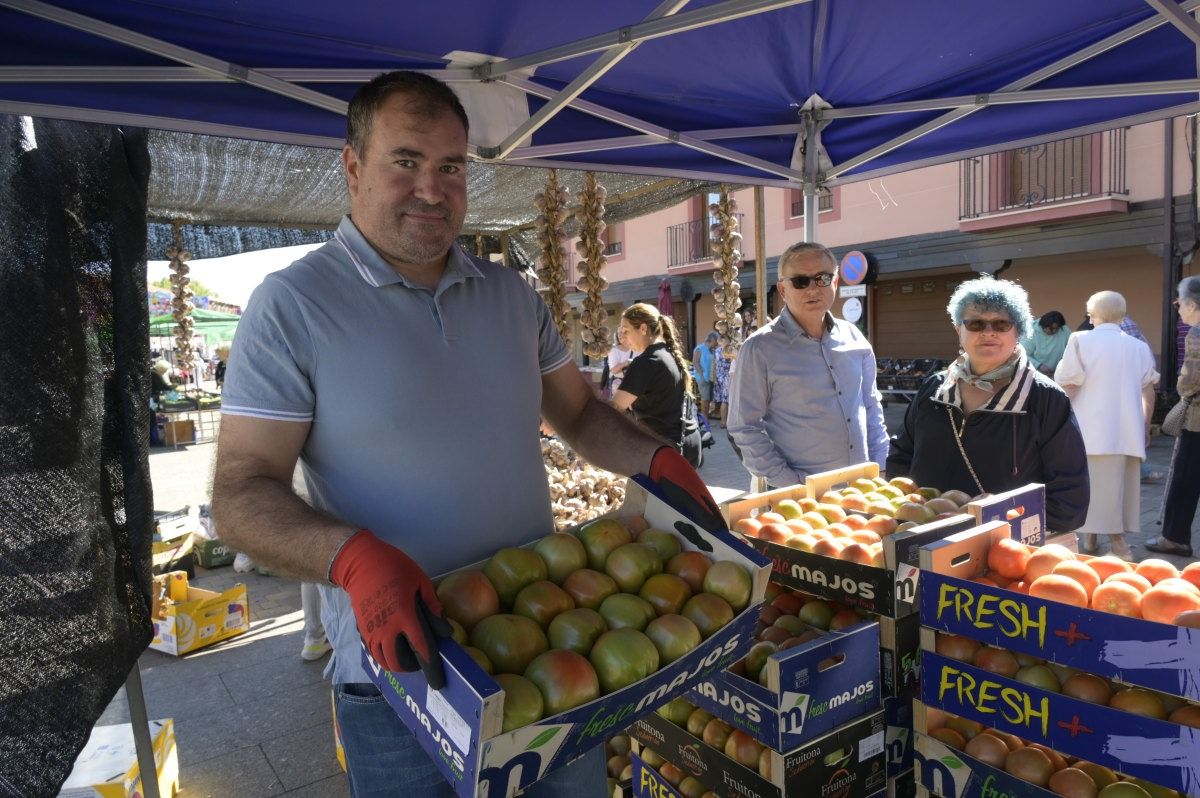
(657, 379)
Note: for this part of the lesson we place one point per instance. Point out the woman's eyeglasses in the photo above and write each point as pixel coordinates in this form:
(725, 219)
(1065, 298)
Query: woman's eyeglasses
(801, 281)
(995, 325)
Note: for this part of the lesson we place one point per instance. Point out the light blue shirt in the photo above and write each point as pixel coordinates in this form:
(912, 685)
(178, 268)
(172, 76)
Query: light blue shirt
(800, 406)
(1046, 350)
(425, 404)
(706, 363)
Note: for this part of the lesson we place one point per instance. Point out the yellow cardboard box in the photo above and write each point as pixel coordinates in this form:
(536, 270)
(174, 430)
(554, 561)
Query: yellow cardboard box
(187, 618)
(107, 766)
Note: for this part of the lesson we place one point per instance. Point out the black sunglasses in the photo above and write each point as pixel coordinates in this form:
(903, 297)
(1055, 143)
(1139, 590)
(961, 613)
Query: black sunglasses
(996, 325)
(801, 281)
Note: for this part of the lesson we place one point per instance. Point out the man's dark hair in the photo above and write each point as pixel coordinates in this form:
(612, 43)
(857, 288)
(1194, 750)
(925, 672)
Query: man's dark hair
(430, 97)
(1053, 317)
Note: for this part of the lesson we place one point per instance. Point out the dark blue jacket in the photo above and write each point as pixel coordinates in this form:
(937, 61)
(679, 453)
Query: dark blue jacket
(1027, 433)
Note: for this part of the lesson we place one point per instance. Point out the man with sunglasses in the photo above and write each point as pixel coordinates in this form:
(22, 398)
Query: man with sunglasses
(803, 397)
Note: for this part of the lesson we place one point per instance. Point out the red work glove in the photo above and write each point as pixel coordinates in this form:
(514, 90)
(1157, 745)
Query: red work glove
(397, 610)
(683, 487)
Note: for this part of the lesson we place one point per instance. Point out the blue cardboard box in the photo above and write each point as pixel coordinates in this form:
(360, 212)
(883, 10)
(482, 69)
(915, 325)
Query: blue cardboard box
(950, 773)
(460, 726)
(1155, 750)
(808, 696)
(1023, 508)
(898, 711)
(1134, 651)
(889, 591)
(848, 762)
(648, 782)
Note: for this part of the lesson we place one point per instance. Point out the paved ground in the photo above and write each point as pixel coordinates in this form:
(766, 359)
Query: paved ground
(252, 719)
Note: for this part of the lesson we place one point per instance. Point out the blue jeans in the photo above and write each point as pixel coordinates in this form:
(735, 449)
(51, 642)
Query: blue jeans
(384, 759)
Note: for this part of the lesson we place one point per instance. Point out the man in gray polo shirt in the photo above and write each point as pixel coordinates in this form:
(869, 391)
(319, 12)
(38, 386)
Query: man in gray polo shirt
(409, 380)
(803, 398)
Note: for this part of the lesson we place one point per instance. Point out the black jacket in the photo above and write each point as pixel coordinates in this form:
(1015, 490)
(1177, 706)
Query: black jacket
(1027, 433)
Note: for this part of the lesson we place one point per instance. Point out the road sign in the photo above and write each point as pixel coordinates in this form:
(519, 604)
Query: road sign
(854, 268)
(852, 310)
(847, 291)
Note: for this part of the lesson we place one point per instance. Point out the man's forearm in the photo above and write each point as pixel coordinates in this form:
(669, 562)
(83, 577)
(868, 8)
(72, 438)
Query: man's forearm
(270, 523)
(608, 439)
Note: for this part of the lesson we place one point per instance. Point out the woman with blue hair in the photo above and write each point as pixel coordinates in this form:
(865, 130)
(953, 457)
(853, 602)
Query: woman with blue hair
(991, 422)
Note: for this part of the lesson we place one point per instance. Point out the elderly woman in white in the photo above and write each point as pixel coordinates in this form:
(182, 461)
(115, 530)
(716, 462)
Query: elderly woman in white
(1110, 378)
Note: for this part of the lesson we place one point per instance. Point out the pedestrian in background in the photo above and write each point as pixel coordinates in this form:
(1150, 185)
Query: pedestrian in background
(1183, 488)
(702, 370)
(721, 368)
(991, 422)
(1110, 377)
(803, 397)
(1045, 346)
(657, 383)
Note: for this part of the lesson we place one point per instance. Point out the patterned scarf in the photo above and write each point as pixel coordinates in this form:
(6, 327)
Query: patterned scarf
(960, 369)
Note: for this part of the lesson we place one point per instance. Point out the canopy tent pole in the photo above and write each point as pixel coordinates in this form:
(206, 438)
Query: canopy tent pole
(642, 126)
(760, 256)
(174, 52)
(140, 722)
(648, 29)
(1167, 341)
(576, 87)
(812, 145)
(1177, 16)
(1032, 79)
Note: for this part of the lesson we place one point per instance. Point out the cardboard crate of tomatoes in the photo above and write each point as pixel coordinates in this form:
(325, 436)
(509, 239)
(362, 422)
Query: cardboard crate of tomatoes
(1090, 656)
(819, 671)
(561, 643)
(958, 757)
(848, 762)
(853, 537)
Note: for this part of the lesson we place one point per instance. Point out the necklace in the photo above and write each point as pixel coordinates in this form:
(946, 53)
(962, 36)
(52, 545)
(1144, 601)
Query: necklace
(958, 433)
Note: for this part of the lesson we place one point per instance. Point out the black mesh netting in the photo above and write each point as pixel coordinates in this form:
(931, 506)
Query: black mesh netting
(76, 510)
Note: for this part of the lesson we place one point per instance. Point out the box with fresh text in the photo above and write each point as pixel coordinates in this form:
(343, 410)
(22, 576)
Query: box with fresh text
(1136, 651)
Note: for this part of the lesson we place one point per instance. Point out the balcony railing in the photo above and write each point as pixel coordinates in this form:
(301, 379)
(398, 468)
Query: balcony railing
(689, 242)
(824, 203)
(1059, 171)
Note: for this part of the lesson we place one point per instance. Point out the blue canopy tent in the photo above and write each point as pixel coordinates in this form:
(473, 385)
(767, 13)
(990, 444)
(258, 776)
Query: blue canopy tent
(725, 91)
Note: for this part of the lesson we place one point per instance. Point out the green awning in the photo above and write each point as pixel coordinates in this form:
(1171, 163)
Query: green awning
(212, 326)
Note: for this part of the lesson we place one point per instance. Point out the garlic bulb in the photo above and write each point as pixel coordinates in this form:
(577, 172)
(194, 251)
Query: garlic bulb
(579, 492)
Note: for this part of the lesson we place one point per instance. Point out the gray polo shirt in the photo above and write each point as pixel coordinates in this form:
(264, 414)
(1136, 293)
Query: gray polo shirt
(425, 404)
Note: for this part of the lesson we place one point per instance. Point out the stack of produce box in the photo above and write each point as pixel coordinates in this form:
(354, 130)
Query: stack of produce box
(851, 537)
(1048, 673)
(561, 643)
(705, 756)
